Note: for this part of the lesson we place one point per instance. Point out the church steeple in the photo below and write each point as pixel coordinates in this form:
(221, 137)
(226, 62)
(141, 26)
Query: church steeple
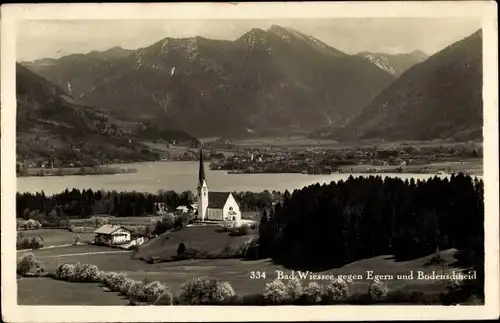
(202, 190)
(201, 172)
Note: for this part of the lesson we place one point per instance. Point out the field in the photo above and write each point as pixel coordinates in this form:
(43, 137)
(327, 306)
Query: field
(208, 238)
(36, 291)
(55, 237)
(142, 220)
(237, 272)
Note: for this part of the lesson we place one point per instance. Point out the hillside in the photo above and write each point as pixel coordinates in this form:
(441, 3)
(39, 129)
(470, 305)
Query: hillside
(52, 124)
(438, 98)
(275, 81)
(395, 64)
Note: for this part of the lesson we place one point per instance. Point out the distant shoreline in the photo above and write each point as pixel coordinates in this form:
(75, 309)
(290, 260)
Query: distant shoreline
(472, 169)
(74, 171)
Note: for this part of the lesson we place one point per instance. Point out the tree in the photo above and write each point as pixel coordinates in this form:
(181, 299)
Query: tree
(181, 249)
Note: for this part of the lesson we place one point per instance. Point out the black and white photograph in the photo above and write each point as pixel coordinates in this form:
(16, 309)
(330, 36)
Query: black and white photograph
(236, 158)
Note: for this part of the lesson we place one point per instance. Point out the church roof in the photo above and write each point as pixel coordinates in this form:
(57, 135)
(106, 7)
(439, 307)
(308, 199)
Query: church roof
(217, 200)
(201, 173)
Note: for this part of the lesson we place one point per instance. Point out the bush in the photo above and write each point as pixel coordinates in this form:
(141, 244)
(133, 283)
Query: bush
(32, 224)
(378, 290)
(116, 281)
(136, 292)
(294, 289)
(313, 293)
(86, 273)
(153, 290)
(78, 273)
(98, 222)
(204, 290)
(66, 272)
(181, 249)
(165, 298)
(33, 242)
(337, 290)
(276, 292)
(124, 285)
(28, 264)
(36, 242)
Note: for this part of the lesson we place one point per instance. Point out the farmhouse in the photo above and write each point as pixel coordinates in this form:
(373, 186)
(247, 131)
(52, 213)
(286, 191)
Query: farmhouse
(112, 234)
(216, 206)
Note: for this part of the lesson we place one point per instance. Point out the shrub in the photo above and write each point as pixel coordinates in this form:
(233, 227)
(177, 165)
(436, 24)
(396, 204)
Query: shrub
(337, 290)
(276, 292)
(66, 272)
(28, 264)
(86, 273)
(165, 298)
(125, 285)
(378, 290)
(313, 293)
(294, 289)
(32, 224)
(98, 222)
(136, 291)
(36, 242)
(33, 242)
(204, 290)
(116, 281)
(153, 290)
(181, 249)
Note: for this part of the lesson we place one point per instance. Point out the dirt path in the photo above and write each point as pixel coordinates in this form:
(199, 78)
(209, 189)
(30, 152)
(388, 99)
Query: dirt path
(48, 247)
(83, 254)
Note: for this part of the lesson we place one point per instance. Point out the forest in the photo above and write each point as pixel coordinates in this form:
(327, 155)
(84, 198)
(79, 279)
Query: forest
(326, 226)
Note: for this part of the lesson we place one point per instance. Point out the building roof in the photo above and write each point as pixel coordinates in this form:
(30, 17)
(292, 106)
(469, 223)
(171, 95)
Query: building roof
(217, 200)
(109, 229)
(201, 172)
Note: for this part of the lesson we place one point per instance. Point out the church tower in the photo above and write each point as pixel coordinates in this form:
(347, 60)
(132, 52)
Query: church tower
(202, 190)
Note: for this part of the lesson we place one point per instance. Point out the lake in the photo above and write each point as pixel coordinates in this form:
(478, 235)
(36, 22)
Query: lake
(181, 176)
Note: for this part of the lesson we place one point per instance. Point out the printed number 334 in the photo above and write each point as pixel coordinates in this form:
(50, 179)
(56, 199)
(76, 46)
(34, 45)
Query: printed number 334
(257, 275)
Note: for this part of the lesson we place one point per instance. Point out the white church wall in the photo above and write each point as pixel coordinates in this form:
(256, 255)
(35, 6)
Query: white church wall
(232, 211)
(214, 214)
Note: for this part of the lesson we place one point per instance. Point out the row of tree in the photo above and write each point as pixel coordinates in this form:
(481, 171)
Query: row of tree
(50, 210)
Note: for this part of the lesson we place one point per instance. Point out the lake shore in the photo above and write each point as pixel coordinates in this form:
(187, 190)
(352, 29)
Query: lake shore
(470, 167)
(74, 171)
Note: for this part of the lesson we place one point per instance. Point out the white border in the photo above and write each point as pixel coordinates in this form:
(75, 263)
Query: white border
(11, 13)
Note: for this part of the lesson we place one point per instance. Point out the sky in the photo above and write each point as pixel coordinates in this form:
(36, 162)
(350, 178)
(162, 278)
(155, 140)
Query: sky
(38, 39)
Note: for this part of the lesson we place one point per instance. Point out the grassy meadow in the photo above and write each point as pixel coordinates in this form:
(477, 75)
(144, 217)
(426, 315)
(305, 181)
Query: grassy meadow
(136, 220)
(40, 291)
(55, 237)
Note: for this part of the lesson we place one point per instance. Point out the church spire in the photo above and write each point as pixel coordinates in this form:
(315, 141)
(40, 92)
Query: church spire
(201, 174)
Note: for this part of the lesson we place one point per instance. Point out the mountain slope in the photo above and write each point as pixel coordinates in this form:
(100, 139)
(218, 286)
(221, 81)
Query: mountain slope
(51, 124)
(395, 64)
(439, 98)
(277, 81)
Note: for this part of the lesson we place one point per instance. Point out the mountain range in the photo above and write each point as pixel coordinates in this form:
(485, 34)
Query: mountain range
(279, 82)
(52, 124)
(438, 98)
(395, 64)
(275, 81)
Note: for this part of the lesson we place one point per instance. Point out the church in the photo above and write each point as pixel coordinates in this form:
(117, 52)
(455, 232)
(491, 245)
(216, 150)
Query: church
(216, 206)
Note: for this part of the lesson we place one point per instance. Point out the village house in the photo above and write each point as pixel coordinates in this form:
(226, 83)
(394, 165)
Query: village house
(218, 207)
(112, 234)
